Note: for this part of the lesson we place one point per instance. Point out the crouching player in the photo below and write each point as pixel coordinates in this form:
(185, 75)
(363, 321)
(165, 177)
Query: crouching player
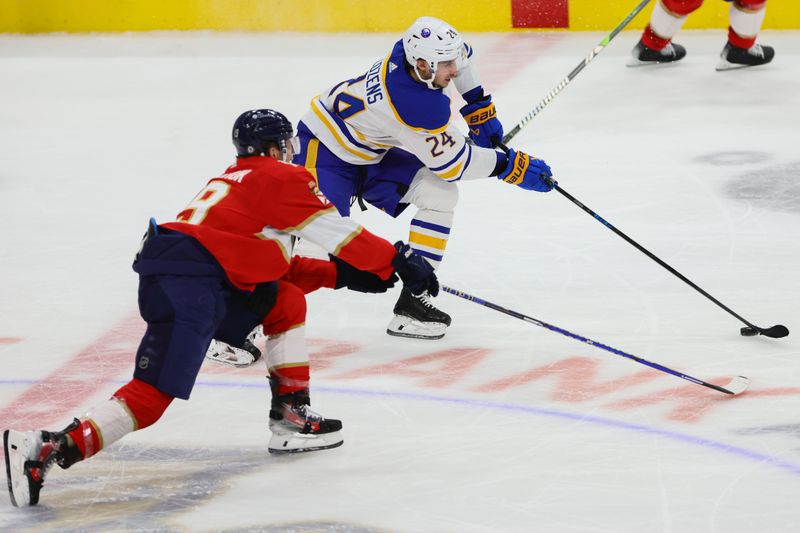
(387, 137)
(219, 269)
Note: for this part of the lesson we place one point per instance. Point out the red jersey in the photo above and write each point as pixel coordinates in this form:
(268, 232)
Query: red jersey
(249, 217)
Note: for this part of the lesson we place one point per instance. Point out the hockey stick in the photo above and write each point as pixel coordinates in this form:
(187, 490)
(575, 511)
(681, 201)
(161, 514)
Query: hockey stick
(751, 330)
(736, 386)
(563, 83)
(776, 332)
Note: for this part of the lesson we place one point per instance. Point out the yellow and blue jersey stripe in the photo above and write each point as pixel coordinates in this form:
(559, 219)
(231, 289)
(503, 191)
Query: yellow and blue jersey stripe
(344, 135)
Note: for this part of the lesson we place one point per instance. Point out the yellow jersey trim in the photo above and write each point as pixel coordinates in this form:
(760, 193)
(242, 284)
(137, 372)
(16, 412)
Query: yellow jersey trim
(332, 129)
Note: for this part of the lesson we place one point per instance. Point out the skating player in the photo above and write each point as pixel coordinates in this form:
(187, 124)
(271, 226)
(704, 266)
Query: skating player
(224, 265)
(741, 50)
(387, 137)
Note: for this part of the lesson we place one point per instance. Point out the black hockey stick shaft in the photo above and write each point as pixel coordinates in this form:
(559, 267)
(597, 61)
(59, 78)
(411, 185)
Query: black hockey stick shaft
(736, 386)
(774, 331)
(564, 82)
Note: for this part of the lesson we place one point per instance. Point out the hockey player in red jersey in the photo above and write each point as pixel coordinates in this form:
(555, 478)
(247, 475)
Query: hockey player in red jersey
(222, 267)
(741, 50)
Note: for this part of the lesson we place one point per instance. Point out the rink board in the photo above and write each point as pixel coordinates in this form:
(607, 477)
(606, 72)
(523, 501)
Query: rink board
(42, 16)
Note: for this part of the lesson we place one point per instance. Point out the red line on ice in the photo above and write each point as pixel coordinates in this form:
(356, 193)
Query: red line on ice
(55, 398)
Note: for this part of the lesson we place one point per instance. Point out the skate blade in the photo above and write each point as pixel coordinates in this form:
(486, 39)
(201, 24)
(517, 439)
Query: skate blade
(234, 361)
(414, 335)
(724, 65)
(223, 354)
(301, 443)
(633, 62)
(403, 326)
(14, 446)
(285, 451)
(7, 455)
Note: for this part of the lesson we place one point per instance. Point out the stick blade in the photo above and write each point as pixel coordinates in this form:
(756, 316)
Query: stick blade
(776, 332)
(737, 385)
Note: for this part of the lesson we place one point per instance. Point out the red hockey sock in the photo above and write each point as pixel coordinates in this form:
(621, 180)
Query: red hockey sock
(291, 378)
(653, 41)
(145, 402)
(737, 40)
(86, 438)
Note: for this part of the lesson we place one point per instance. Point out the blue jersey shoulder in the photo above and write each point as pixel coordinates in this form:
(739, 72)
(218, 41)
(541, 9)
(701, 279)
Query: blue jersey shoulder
(414, 103)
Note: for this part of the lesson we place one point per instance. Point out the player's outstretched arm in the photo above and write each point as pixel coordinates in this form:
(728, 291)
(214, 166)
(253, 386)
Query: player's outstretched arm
(527, 172)
(360, 280)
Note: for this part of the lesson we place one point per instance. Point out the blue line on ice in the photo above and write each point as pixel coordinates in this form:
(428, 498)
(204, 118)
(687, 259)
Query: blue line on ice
(702, 442)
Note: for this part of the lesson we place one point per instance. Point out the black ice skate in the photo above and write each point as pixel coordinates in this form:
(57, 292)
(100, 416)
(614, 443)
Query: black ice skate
(734, 57)
(29, 456)
(296, 428)
(417, 318)
(642, 55)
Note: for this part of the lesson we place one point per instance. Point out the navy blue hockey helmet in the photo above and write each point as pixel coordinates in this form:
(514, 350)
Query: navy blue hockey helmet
(254, 131)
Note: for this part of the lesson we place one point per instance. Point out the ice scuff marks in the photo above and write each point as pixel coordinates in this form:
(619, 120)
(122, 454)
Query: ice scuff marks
(307, 527)
(773, 186)
(134, 489)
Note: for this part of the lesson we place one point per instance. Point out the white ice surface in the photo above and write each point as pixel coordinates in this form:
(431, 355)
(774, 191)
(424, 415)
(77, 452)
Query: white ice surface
(501, 426)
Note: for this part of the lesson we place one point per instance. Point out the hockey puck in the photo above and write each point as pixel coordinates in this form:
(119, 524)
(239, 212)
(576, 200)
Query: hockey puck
(747, 331)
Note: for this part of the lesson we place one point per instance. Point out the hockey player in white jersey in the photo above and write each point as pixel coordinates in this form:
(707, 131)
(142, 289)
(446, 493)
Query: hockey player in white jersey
(387, 137)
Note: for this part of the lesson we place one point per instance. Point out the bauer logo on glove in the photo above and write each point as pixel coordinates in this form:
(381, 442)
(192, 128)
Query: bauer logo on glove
(481, 118)
(481, 115)
(518, 168)
(527, 172)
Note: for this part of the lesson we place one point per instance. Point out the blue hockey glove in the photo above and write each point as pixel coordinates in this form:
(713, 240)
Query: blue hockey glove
(415, 271)
(527, 172)
(481, 117)
(359, 280)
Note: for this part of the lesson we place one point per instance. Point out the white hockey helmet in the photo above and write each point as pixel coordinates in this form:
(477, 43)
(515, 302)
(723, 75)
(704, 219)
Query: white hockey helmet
(432, 40)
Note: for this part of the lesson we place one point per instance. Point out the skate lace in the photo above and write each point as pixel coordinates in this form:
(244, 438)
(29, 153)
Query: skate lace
(312, 416)
(302, 417)
(756, 50)
(305, 414)
(425, 299)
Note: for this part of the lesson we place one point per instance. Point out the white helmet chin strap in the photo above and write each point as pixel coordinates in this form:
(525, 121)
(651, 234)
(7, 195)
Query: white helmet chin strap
(428, 82)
